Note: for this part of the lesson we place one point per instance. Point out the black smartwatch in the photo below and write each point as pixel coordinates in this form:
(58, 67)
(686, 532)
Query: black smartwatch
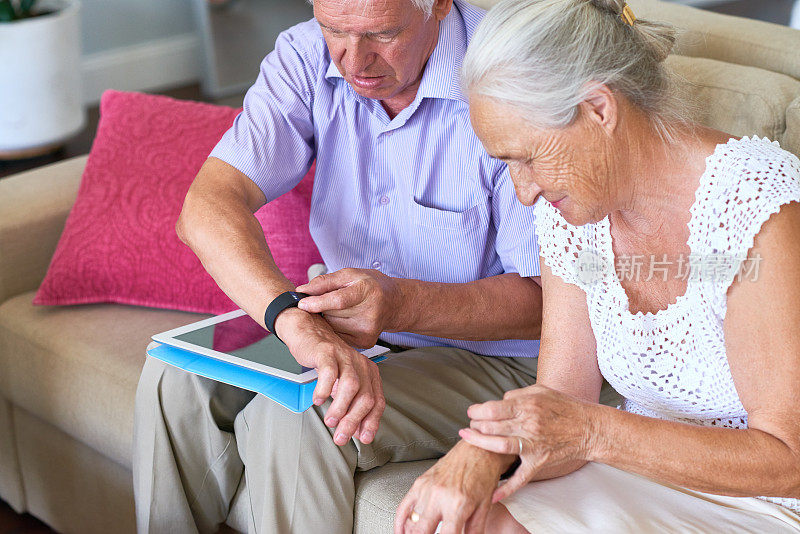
(290, 299)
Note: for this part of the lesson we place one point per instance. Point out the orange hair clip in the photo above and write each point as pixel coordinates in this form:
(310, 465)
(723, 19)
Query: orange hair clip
(627, 15)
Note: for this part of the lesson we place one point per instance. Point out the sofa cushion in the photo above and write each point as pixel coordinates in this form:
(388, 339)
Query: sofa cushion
(791, 139)
(737, 99)
(119, 243)
(379, 492)
(77, 367)
(727, 38)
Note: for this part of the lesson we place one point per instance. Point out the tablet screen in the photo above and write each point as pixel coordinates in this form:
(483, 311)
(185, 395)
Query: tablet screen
(246, 339)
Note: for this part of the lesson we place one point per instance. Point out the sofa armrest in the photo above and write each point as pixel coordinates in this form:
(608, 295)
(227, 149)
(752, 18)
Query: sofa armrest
(33, 208)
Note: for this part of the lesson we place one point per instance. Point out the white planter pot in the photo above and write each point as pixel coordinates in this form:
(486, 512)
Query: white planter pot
(40, 83)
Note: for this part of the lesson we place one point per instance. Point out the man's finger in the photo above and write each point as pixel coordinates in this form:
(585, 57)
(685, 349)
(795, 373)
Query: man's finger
(351, 340)
(326, 377)
(370, 424)
(346, 390)
(492, 410)
(498, 444)
(338, 299)
(362, 405)
(347, 329)
(341, 320)
(325, 283)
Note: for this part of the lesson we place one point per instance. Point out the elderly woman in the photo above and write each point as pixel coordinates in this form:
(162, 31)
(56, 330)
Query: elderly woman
(670, 267)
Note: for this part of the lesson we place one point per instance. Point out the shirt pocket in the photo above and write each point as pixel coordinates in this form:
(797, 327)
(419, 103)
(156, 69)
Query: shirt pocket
(446, 220)
(448, 246)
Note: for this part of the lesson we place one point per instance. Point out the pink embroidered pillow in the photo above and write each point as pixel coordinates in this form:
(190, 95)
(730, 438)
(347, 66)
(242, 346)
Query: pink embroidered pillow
(119, 243)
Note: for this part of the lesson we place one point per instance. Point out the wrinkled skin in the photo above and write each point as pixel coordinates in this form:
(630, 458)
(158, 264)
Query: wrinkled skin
(552, 427)
(387, 40)
(457, 491)
(575, 165)
(358, 303)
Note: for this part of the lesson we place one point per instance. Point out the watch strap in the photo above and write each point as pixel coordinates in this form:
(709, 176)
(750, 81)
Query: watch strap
(282, 302)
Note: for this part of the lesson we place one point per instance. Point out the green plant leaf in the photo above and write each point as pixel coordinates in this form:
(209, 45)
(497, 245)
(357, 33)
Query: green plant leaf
(7, 13)
(25, 7)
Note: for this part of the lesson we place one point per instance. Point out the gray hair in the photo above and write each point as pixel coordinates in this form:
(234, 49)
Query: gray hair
(426, 6)
(545, 57)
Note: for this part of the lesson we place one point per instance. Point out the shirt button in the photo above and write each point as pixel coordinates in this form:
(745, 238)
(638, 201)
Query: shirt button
(376, 265)
(384, 200)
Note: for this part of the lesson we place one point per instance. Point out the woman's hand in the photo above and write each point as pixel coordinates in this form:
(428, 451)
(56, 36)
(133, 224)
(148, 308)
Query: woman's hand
(549, 427)
(457, 491)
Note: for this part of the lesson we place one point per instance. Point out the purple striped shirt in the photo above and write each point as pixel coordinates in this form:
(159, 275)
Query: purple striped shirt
(414, 197)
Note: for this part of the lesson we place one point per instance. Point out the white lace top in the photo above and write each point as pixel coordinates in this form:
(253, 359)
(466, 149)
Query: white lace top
(672, 364)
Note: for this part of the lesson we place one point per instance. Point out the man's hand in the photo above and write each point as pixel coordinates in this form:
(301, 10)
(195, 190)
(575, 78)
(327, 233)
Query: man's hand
(345, 374)
(457, 491)
(358, 303)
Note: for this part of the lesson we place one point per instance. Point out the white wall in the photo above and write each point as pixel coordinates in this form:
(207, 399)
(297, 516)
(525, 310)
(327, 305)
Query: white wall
(137, 45)
(112, 24)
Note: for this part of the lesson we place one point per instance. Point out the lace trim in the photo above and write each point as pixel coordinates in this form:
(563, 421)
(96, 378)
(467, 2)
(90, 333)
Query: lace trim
(749, 202)
(672, 363)
(552, 230)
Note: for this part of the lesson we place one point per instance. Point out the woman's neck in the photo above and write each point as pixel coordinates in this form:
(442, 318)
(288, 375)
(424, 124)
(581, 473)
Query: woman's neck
(661, 179)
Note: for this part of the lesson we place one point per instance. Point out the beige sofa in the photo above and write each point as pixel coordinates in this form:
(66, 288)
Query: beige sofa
(68, 375)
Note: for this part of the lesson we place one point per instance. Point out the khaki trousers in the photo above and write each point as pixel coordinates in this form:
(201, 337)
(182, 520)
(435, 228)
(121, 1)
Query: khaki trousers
(193, 438)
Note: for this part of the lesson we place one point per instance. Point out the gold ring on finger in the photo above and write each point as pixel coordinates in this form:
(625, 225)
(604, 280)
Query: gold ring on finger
(414, 517)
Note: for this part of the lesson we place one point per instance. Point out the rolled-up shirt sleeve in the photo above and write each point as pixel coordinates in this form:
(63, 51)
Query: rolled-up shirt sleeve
(516, 242)
(272, 139)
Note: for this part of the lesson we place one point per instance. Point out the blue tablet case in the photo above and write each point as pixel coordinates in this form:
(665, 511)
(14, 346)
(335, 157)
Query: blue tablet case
(292, 395)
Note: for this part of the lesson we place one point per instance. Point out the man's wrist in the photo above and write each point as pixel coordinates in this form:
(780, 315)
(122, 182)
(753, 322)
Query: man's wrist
(289, 322)
(297, 328)
(403, 300)
(499, 462)
(284, 301)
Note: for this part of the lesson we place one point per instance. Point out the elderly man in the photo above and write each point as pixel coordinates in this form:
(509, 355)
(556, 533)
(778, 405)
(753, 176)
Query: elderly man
(427, 248)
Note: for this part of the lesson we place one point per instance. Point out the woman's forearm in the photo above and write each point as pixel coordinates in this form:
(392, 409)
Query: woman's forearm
(742, 463)
(558, 470)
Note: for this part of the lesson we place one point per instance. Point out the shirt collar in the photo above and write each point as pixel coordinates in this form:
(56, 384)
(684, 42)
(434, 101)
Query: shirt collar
(442, 78)
(333, 71)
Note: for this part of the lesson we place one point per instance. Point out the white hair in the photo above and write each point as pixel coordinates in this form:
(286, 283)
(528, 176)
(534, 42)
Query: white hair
(426, 6)
(546, 56)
